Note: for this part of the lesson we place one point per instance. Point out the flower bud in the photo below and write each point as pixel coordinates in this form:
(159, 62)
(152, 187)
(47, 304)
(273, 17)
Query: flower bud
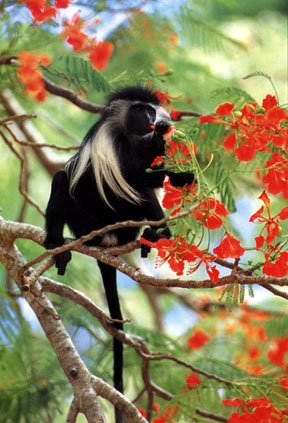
(179, 134)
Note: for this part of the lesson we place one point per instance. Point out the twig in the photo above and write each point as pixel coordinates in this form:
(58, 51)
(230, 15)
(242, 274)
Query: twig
(22, 173)
(276, 291)
(16, 118)
(70, 95)
(100, 232)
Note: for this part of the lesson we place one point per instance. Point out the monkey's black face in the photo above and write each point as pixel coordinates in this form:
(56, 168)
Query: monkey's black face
(140, 117)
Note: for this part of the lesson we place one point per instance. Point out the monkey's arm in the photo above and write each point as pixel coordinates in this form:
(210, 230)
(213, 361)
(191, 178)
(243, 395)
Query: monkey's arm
(55, 219)
(153, 211)
(155, 179)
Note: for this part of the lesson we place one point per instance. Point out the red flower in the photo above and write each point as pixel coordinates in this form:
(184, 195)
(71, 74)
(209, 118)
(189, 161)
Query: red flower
(99, 51)
(178, 152)
(277, 353)
(193, 381)
(235, 402)
(164, 97)
(142, 412)
(198, 339)
(175, 114)
(29, 74)
(278, 267)
(271, 223)
(230, 142)
(209, 212)
(176, 251)
(225, 109)
(269, 102)
(174, 195)
(229, 247)
(276, 177)
(284, 382)
(40, 10)
(73, 33)
(100, 54)
(245, 153)
(251, 132)
(62, 4)
(157, 160)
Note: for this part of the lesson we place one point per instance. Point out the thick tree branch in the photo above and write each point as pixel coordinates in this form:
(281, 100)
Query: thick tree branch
(86, 386)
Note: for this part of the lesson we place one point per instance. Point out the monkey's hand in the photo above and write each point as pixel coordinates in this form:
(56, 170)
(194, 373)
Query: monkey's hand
(61, 259)
(162, 127)
(158, 141)
(180, 179)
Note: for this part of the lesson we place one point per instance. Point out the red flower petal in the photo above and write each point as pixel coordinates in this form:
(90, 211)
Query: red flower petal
(245, 153)
(225, 109)
(229, 247)
(100, 54)
(269, 102)
(259, 242)
(230, 142)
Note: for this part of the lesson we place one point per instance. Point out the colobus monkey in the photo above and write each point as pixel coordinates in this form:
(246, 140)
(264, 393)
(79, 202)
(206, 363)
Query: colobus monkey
(106, 182)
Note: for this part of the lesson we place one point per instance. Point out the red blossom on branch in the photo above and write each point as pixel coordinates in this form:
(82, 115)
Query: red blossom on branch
(229, 247)
(41, 11)
(276, 177)
(277, 352)
(166, 416)
(164, 97)
(193, 381)
(30, 75)
(271, 223)
(251, 131)
(260, 410)
(99, 52)
(210, 213)
(177, 251)
(175, 195)
(198, 339)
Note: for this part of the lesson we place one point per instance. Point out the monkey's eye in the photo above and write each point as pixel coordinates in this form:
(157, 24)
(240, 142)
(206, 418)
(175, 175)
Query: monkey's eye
(138, 108)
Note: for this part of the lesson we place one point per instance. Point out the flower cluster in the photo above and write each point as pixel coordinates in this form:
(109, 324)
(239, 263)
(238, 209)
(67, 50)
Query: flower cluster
(255, 410)
(209, 212)
(30, 75)
(177, 251)
(255, 130)
(250, 131)
(42, 11)
(164, 97)
(276, 260)
(99, 52)
(162, 417)
(175, 195)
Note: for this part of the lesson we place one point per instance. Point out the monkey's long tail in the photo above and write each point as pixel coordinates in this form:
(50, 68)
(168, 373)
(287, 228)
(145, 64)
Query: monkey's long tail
(110, 286)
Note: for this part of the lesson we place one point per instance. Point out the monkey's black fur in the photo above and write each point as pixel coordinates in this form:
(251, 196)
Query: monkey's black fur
(86, 203)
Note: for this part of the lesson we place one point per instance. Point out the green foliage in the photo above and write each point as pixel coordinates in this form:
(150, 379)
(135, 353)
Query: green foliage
(32, 386)
(25, 393)
(78, 72)
(205, 35)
